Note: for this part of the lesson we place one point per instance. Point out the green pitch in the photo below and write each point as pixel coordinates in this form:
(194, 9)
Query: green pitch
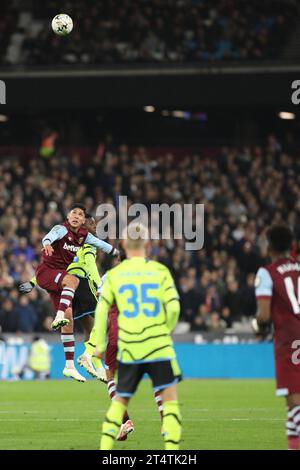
(217, 414)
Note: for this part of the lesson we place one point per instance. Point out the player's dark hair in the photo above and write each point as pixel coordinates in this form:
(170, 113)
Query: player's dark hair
(88, 216)
(77, 205)
(280, 238)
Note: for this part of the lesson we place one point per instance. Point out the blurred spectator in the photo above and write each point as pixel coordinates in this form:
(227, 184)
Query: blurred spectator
(27, 316)
(9, 317)
(23, 249)
(233, 302)
(189, 298)
(248, 297)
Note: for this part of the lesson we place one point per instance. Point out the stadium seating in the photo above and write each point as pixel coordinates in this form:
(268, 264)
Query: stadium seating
(139, 31)
(243, 192)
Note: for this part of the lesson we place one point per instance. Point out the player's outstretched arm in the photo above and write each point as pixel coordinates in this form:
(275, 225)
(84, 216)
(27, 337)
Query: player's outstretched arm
(102, 245)
(91, 264)
(56, 233)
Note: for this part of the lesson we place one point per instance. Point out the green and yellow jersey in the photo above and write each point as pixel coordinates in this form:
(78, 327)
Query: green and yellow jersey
(84, 265)
(148, 304)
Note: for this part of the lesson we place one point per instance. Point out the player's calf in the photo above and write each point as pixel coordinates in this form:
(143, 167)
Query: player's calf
(171, 418)
(159, 404)
(69, 284)
(112, 424)
(68, 340)
(171, 425)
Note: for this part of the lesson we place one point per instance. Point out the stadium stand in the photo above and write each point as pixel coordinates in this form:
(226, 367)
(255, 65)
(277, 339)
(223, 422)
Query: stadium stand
(147, 31)
(243, 192)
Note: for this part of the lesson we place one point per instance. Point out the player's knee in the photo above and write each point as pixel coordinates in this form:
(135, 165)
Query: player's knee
(70, 281)
(110, 374)
(123, 400)
(293, 400)
(169, 394)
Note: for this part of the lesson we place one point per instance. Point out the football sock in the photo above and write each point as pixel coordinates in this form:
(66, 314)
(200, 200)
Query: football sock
(159, 403)
(111, 389)
(293, 428)
(90, 344)
(68, 342)
(125, 417)
(89, 349)
(66, 299)
(171, 425)
(97, 363)
(111, 425)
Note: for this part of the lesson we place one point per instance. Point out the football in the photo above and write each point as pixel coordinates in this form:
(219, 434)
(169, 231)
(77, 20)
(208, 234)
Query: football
(62, 24)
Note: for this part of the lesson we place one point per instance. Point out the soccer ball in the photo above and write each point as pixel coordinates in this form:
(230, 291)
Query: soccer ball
(62, 24)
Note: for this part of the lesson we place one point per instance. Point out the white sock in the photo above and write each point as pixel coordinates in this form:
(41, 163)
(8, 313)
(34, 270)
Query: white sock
(70, 364)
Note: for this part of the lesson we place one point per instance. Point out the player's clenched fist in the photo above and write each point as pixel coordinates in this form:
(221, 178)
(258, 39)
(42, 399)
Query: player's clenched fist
(48, 250)
(26, 287)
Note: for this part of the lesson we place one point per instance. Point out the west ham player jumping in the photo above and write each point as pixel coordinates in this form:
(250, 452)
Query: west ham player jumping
(84, 267)
(278, 301)
(61, 244)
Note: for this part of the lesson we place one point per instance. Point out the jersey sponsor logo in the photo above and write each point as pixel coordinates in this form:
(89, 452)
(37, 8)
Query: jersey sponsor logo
(71, 248)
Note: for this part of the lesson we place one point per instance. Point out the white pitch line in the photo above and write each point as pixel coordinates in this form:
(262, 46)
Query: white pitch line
(55, 420)
(48, 412)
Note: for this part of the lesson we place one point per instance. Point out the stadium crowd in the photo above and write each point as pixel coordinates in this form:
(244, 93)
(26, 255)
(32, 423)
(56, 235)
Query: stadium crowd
(116, 31)
(243, 192)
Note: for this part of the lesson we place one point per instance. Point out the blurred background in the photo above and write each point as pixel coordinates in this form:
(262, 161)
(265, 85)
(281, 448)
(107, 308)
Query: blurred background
(186, 101)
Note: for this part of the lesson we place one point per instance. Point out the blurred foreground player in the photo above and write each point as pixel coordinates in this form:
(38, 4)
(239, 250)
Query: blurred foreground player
(278, 301)
(61, 244)
(148, 307)
(111, 364)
